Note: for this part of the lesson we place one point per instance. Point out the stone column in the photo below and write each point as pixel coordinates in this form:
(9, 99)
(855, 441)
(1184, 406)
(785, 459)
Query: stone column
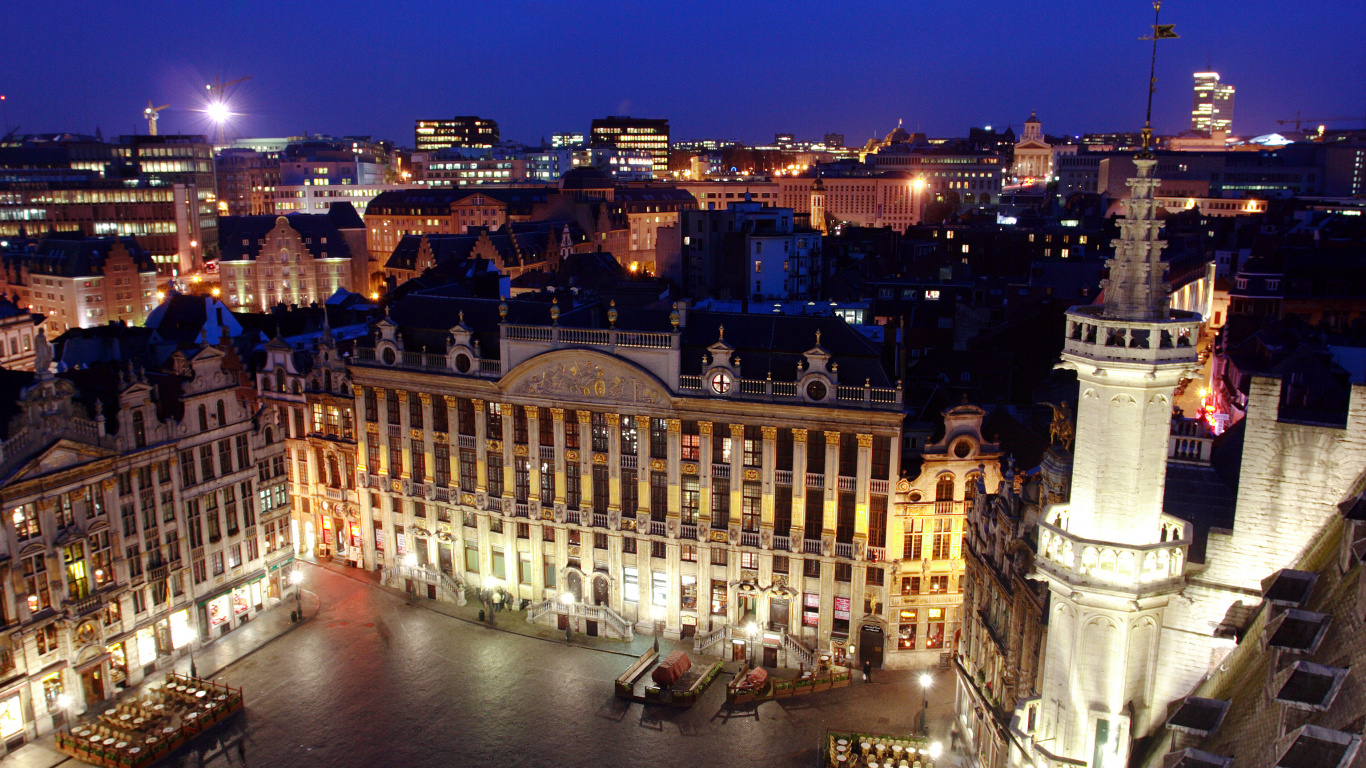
(704, 480)
(614, 462)
(675, 475)
(737, 470)
(557, 419)
(798, 531)
(832, 468)
(643, 467)
(533, 454)
(766, 480)
(406, 469)
(585, 460)
(428, 460)
(481, 448)
(381, 436)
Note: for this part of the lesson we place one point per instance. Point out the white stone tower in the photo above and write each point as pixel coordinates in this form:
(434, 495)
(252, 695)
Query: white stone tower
(1111, 558)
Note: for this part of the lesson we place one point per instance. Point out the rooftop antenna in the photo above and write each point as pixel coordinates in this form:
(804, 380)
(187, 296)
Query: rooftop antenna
(1160, 32)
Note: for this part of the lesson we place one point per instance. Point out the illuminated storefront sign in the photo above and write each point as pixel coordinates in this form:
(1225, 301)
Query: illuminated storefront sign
(11, 717)
(181, 633)
(218, 610)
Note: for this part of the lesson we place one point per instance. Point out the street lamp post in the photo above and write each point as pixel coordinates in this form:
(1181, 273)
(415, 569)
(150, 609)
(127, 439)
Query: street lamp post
(297, 579)
(926, 680)
(567, 599)
(64, 702)
(753, 630)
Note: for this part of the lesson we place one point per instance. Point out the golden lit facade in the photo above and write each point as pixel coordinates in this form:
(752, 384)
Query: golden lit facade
(737, 512)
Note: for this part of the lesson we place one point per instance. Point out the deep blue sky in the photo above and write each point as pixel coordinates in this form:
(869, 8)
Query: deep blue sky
(738, 70)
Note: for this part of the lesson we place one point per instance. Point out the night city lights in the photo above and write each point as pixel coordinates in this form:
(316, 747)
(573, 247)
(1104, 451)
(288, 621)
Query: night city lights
(649, 384)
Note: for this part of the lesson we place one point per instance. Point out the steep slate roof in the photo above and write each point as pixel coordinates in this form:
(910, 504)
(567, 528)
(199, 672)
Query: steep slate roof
(75, 256)
(240, 237)
(438, 202)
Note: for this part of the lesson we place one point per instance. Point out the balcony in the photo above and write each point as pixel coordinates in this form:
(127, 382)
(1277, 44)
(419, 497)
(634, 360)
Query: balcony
(811, 546)
(720, 471)
(521, 510)
(628, 461)
(815, 480)
(657, 528)
(1136, 568)
(82, 606)
(748, 539)
(1093, 336)
(877, 487)
(844, 549)
(572, 517)
(599, 519)
(875, 554)
(688, 531)
(782, 543)
(782, 476)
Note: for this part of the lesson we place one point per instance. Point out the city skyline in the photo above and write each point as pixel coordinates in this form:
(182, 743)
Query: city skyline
(310, 82)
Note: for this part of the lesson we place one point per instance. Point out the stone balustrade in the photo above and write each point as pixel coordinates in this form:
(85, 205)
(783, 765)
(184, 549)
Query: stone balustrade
(1079, 561)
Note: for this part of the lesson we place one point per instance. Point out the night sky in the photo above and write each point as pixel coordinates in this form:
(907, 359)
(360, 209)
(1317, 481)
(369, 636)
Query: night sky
(729, 70)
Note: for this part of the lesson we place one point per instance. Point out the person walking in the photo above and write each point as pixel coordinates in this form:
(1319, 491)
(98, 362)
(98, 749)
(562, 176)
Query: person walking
(867, 671)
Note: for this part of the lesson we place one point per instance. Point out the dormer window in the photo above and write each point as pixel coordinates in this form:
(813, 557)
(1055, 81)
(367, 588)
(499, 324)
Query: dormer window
(1273, 285)
(721, 383)
(1241, 283)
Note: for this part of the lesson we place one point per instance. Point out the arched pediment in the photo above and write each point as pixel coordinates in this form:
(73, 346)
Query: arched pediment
(584, 375)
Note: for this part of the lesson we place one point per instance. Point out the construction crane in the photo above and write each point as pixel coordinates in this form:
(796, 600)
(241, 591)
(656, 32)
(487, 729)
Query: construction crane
(218, 109)
(1319, 121)
(151, 114)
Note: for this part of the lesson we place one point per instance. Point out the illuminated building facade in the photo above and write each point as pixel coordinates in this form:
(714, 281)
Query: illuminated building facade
(1213, 108)
(295, 259)
(391, 215)
(1033, 153)
(81, 282)
(639, 465)
(132, 532)
(650, 135)
(464, 131)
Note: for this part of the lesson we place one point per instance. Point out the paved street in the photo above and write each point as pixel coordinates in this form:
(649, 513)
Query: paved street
(373, 680)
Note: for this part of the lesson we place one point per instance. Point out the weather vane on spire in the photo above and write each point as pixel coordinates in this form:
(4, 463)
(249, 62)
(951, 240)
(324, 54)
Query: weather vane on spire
(1160, 32)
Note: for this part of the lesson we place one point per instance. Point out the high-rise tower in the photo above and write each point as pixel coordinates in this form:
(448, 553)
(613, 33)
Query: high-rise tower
(1213, 109)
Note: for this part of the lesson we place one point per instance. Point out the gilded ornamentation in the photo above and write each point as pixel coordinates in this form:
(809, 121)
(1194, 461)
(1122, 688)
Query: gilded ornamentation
(496, 446)
(372, 427)
(689, 468)
(478, 405)
(557, 414)
(865, 441)
(643, 423)
(402, 395)
(425, 397)
(770, 433)
(832, 438)
(467, 499)
(613, 419)
(751, 474)
(573, 551)
(548, 514)
(674, 425)
(585, 417)
(737, 431)
(441, 437)
(718, 537)
(704, 428)
(519, 450)
(588, 379)
(658, 465)
(599, 458)
(415, 434)
(448, 400)
(395, 486)
(798, 435)
(571, 456)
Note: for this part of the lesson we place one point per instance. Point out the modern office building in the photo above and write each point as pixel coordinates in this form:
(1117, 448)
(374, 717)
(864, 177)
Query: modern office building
(1213, 109)
(463, 131)
(650, 135)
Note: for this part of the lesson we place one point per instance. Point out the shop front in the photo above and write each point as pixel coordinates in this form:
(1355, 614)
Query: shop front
(232, 607)
(13, 724)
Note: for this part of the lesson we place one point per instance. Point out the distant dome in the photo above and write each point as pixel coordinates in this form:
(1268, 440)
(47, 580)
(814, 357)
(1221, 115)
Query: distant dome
(898, 136)
(586, 177)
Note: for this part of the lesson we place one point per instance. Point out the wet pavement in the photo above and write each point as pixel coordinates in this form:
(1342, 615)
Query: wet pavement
(377, 679)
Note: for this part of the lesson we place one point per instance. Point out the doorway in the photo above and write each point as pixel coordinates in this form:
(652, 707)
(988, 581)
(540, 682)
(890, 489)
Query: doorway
(770, 656)
(574, 584)
(446, 557)
(590, 628)
(92, 685)
(600, 590)
(737, 650)
(870, 644)
(310, 538)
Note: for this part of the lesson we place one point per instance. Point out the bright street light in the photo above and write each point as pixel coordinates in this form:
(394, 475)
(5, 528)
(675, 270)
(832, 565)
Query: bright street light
(936, 749)
(567, 598)
(63, 701)
(218, 112)
(410, 560)
(926, 680)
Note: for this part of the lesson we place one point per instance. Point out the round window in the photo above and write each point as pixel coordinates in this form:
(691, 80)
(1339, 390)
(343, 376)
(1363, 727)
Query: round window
(721, 382)
(915, 496)
(962, 448)
(816, 390)
(462, 363)
(388, 356)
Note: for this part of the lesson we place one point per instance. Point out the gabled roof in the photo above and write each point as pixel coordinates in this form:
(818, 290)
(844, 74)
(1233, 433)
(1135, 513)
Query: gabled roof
(67, 255)
(240, 237)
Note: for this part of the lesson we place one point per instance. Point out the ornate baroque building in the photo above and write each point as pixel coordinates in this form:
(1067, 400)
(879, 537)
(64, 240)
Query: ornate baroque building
(730, 483)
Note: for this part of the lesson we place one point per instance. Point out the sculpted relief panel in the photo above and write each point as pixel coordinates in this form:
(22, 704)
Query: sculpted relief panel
(586, 379)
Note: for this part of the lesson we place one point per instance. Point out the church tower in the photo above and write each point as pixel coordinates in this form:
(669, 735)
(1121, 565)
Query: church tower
(1111, 558)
